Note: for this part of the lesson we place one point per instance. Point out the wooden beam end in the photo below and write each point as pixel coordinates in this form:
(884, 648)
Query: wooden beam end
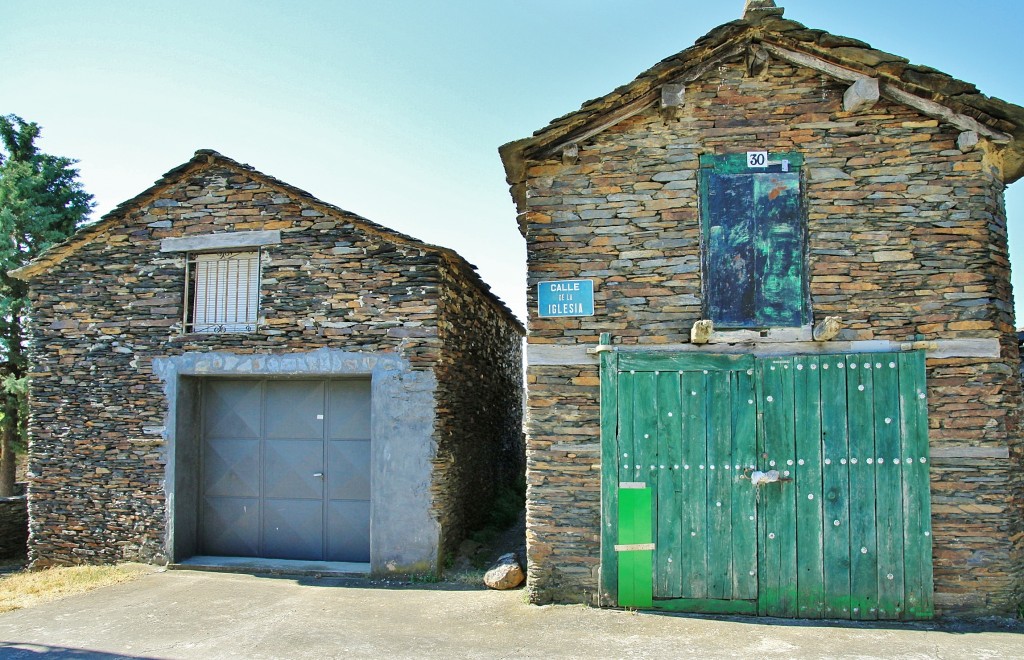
(571, 154)
(861, 95)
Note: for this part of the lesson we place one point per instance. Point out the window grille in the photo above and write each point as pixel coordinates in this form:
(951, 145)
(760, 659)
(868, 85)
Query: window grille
(222, 292)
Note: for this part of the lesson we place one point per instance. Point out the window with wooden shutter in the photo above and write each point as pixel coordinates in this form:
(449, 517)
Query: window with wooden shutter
(754, 242)
(223, 292)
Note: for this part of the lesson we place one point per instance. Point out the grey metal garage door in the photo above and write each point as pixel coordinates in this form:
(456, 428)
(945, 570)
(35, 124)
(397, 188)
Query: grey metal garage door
(286, 469)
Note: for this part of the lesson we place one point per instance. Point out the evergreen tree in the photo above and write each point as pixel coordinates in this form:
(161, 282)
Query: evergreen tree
(41, 203)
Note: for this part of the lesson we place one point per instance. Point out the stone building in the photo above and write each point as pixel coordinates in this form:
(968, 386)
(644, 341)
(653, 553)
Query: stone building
(225, 365)
(771, 351)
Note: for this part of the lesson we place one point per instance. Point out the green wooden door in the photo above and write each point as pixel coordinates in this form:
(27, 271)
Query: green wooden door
(843, 533)
(686, 434)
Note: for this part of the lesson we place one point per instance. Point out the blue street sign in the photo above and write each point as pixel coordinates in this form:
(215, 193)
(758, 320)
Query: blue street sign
(565, 298)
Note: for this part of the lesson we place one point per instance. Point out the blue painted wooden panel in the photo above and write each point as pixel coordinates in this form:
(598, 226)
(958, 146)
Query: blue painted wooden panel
(754, 264)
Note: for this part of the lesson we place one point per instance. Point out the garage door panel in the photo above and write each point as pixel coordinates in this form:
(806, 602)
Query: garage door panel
(231, 408)
(291, 469)
(285, 469)
(349, 470)
(295, 409)
(349, 405)
(293, 529)
(350, 525)
(231, 468)
(230, 526)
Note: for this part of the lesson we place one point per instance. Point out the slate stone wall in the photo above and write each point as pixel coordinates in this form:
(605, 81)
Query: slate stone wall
(101, 316)
(907, 241)
(481, 450)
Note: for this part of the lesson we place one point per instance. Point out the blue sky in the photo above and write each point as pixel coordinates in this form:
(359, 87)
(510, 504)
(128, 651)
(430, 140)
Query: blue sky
(395, 109)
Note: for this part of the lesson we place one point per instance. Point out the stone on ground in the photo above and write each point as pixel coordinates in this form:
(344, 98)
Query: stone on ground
(506, 574)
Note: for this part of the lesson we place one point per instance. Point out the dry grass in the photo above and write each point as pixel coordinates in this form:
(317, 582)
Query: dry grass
(28, 588)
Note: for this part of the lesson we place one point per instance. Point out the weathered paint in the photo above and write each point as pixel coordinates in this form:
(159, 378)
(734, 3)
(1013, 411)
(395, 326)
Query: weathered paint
(754, 242)
(844, 531)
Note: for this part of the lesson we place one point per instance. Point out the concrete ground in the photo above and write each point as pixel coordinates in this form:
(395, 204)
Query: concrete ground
(186, 614)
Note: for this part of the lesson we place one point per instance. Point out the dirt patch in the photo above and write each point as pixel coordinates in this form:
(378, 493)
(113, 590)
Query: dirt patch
(27, 588)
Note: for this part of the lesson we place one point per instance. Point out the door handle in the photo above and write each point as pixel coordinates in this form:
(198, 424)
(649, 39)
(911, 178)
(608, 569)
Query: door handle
(318, 474)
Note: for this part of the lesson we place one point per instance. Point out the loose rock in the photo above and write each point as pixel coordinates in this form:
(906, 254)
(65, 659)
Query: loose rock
(506, 574)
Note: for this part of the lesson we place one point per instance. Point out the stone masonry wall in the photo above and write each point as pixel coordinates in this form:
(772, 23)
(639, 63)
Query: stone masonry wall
(103, 314)
(480, 377)
(907, 241)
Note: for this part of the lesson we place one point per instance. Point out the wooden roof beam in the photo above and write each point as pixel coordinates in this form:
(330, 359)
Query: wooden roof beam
(632, 108)
(924, 106)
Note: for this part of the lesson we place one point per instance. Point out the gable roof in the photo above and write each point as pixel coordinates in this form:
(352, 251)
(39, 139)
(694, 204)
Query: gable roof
(932, 92)
(206, 158)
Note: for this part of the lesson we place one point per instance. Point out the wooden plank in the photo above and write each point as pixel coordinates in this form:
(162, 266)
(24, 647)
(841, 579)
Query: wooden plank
(728, 225)
(592, 128)
(744, 508)
(692, 516)
(943, 113)
(766, 336)
(964, 451)
(719, 471)
(863, 550)
(647, 361)
(888, 485)
(627, 463)
(777, 579)
(610, 462)
(737, 163)
(708, 606)
(767, 559)
(635, 574)
(916, 487)
(835, 487)
(645, 441)
(779, 250)
(751, 344)
(606, 120)
(753, 227)
(667, 567)
(808, 480)
(925, 106)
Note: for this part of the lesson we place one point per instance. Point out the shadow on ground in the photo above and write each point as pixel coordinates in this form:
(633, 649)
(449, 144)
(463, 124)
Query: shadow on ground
(19, 651)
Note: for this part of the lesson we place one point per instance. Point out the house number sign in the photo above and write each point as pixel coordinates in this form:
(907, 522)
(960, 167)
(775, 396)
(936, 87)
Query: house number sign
(565, 298)
(757, 159)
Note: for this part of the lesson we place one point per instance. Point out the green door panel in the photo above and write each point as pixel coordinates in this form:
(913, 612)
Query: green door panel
(843, 533)
(635, 574)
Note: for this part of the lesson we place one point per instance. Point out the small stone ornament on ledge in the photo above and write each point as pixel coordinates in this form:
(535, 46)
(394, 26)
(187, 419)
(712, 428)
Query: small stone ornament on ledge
(505, 574)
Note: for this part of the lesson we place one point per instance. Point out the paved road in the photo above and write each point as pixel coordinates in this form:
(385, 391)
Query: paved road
(183, 614)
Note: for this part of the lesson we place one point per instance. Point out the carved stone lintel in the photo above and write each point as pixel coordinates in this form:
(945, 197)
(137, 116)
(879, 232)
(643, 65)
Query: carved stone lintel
(571, 154)
(861, 95)
(701, 331)
(827, 329)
